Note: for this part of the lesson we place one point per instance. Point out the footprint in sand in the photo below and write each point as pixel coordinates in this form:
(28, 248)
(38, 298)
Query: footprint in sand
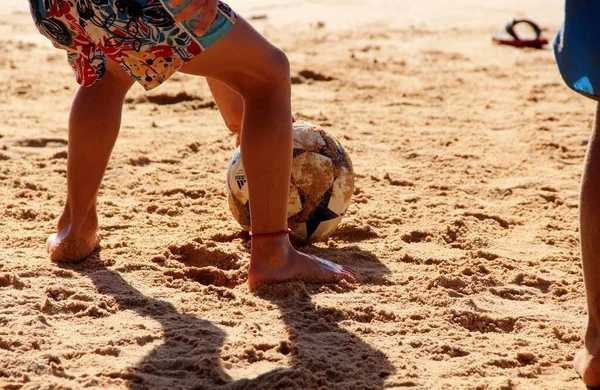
(205, 264)
(41, 142)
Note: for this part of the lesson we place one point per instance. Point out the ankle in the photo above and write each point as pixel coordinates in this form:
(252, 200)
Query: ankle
(592, 335)
(269, 252)
(77, 227)
(281, 233)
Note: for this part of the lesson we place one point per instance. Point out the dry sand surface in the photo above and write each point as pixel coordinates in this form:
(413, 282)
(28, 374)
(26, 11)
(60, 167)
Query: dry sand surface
(463, 224)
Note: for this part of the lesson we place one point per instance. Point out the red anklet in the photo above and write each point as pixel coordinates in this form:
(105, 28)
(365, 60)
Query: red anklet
(271, 235)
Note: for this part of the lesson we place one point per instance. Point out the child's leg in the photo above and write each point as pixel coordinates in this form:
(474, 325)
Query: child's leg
(231, 106)
(587, 361)
(93, 128)
(259, 72)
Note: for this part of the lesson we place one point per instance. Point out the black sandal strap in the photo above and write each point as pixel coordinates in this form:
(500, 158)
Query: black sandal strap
(510, 28)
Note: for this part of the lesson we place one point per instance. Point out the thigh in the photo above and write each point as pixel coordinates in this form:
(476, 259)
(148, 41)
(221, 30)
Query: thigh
(241, 59)
(117, 76)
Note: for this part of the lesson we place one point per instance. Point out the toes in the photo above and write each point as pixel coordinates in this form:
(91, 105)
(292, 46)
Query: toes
(349, 270)
(50, 242)
(348, 277)
(348, 274)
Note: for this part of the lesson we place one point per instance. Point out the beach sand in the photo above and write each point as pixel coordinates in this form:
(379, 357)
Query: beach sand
(463, 225)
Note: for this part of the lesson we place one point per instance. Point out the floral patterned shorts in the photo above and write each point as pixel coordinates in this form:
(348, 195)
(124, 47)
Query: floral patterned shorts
(140, 35)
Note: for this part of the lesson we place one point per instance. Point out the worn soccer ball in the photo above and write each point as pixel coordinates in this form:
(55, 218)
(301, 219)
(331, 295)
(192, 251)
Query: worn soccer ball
(321, 186)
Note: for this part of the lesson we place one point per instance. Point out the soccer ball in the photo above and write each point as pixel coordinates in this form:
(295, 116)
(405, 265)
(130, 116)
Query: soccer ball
(320, 190)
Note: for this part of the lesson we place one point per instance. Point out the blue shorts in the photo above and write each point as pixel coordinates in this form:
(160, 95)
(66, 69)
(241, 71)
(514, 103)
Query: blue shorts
(577, 47)
(140, 35)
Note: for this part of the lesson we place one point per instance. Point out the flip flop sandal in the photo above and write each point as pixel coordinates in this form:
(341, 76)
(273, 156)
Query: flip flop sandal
(513, 39)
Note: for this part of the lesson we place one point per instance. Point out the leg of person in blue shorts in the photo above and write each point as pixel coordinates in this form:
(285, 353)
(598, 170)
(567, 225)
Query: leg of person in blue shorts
(577, 50)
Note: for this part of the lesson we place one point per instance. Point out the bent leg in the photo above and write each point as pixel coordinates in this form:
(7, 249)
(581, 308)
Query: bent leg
(259, 72)
(587, 361)
(231, 106)
(94, 125)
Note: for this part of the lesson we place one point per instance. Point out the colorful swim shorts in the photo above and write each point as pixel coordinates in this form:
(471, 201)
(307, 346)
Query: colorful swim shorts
(141, 35)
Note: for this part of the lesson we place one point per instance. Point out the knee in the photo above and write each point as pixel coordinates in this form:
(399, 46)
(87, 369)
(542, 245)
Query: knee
(273, 76)
(280, 68)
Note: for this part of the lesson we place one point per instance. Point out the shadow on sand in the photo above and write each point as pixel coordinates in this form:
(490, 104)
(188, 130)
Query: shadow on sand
(322, 354)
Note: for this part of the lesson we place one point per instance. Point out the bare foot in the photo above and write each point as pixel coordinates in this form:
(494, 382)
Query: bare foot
(66, 249)
(588, 367)
(277, 261)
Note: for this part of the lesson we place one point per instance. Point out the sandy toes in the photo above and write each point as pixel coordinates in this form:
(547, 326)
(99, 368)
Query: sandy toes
(66, 250)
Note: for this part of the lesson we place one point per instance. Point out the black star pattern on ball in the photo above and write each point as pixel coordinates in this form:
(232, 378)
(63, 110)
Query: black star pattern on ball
(297, 152)
(321, 214)
(337, 158)
(342, 160)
